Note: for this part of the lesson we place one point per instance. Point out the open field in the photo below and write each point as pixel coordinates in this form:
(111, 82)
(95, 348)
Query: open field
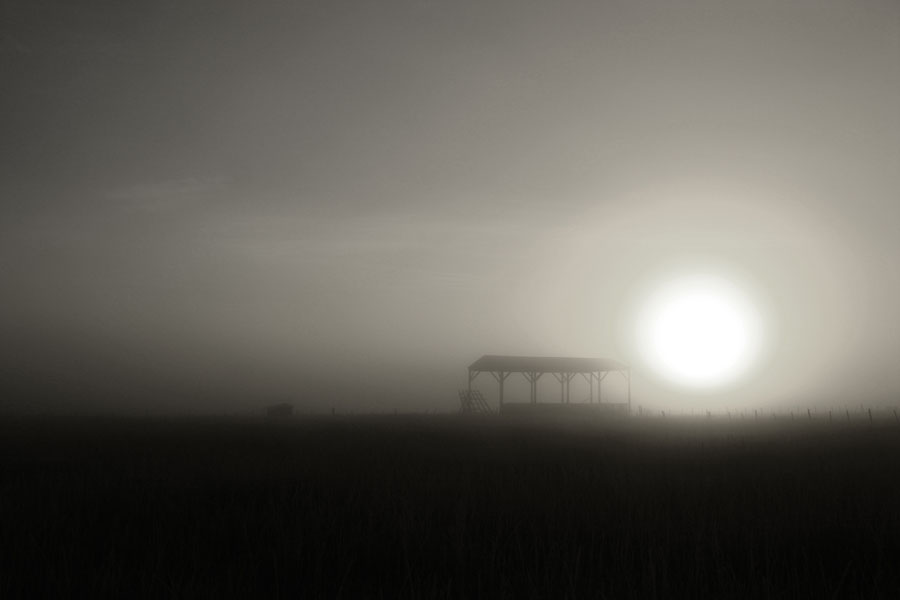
(444, 506)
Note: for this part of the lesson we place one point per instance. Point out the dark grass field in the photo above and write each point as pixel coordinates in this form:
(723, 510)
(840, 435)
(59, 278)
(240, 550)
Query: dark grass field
(448, 507)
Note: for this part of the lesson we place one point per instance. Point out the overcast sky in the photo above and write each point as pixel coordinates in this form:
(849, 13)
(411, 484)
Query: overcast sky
(211, 204)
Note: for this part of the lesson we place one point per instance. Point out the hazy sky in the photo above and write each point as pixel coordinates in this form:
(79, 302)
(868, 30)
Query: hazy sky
(210, 204)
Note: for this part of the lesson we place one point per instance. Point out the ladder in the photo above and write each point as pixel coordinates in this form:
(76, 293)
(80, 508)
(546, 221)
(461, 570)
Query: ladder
(472, 402)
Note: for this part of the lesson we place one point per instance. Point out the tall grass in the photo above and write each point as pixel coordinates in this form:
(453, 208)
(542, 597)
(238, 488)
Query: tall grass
(446, 507)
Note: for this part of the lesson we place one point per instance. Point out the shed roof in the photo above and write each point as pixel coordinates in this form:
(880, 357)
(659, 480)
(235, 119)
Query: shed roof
(546, 364)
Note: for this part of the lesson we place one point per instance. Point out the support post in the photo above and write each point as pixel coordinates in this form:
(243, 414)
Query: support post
(501, 376)
(629, 391)
(599, 388)
(533, 377)
(527, 375)
(591, 388)
(560, 377)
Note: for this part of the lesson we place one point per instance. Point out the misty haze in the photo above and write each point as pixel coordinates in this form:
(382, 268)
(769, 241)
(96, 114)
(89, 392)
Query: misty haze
(449, 299)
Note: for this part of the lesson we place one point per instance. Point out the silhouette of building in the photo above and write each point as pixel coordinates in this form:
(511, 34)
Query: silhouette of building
(280, 410)
(563, 369)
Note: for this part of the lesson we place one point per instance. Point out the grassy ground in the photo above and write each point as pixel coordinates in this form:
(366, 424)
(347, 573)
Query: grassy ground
(448, 507)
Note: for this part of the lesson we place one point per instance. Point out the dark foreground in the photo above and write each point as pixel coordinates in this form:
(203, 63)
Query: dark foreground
(450, 508)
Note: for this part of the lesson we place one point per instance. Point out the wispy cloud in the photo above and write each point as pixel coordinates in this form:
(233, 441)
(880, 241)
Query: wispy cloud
(171, 194)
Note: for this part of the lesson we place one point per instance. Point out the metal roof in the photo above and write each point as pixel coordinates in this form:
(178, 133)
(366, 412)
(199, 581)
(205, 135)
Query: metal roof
(545, 364)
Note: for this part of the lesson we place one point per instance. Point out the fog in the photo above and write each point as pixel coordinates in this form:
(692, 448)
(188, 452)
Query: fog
(208, 206)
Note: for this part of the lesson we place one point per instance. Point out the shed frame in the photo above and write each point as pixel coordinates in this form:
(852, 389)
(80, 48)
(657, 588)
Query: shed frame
(563, 369)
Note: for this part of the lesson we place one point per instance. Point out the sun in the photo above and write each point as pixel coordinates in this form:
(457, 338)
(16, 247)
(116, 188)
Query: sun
(699, 331)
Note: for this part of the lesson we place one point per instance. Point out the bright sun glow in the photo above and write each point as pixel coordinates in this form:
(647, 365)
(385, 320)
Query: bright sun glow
(699, 331)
